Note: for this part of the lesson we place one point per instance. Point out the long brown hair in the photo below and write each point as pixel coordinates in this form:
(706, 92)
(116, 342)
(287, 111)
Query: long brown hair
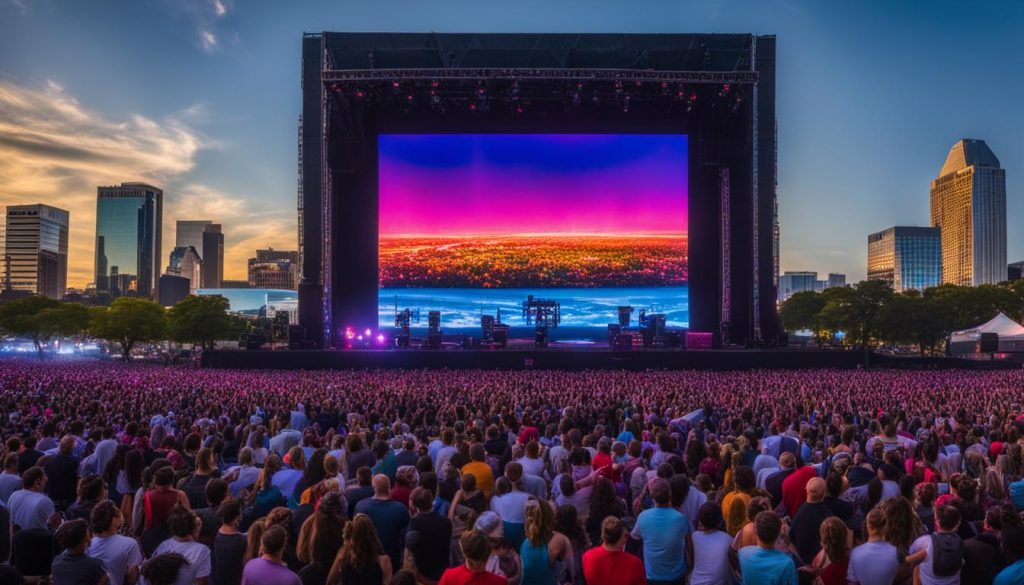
(272, 466)
(322, 534)
(540, 522)
(253, 538)
(361, 548)
(834, 539)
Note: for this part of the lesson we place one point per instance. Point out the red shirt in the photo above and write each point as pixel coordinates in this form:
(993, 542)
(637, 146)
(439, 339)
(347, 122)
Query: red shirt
(461, 575)
(527, 434)
(794, 488)
(612, 567)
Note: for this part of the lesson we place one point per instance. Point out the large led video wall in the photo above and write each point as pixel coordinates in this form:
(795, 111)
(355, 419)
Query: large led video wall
(471, 224)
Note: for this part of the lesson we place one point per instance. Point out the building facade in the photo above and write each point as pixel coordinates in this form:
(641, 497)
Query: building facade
(173, 289)
(189, 232)
(185, 262)
(129, 220)
(968, 205)
(213, 256)
(35, 258)
(274, 269)
(835, 280)
(906, 257)
(791, 283)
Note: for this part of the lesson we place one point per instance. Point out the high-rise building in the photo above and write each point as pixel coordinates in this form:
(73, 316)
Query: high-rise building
(129, 220)
(835, 280)
(906, 257)
(274, 269)
(213, 256)
(185, 262)
(968, 204)
(1015, 271)
(35, 256)
(791, 283)
(173, 289)
(189, 232)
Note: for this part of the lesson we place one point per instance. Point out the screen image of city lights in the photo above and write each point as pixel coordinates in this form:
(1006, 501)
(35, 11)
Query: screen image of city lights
(471, 224)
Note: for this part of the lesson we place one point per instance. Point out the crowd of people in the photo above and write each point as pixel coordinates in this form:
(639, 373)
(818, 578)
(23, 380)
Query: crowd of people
(120, 474)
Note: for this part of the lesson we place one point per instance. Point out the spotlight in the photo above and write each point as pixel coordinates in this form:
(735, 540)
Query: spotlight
(368, 332)
(380, 338)
(360, 94)
(625, 105)
(336, 87)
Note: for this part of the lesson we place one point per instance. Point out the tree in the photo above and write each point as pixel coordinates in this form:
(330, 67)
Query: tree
(67, 320)
(129, 321)
(202, 320)
(803, 311)
(856, 310)
(21, 318)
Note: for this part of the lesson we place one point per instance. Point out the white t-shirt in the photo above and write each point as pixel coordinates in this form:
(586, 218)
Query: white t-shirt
(711, 558)
(511, 507)
(197, 555)
(117, 553)
(29, 509)
(927, 576)
(532, 466)
(873, 563)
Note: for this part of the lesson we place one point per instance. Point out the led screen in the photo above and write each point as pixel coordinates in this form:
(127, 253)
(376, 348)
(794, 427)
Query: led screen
(471, 224)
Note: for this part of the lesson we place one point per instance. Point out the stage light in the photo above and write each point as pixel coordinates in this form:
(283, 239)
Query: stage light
(350, 333)
(336, 87)
(368, 332)
(380, 338)
(360, 93)
(359, 338)
(395, 85)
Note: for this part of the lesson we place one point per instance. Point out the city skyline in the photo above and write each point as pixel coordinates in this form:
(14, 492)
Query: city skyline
(212, 116)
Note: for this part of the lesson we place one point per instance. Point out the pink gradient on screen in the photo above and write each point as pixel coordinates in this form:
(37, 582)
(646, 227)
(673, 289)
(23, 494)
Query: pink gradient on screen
(634, 195)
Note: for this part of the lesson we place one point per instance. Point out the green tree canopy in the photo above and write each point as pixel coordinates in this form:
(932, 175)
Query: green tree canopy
(202, 320)
(129, 321)
(26, 318)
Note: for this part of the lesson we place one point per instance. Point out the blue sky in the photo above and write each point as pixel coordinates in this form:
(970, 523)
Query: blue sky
(202, 97)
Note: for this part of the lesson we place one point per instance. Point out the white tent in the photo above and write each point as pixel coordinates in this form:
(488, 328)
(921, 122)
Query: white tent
(1011, 336)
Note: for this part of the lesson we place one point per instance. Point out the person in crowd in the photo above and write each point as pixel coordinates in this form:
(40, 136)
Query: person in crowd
(476, 550)
(428, 539)
(270, 568)
(665, 533)
(160, 500)
(806, 527)
(711, 549)
(831, 564)
(30, 507)
(543, 547)
(1013, 547)
(62, 474)
(228, 551)
(74, 566)
(361, 559)
(875, 561)
(390, 518)
(763, 563)
(120, 555)
(939, 556)
(608, 562)
(320, 538)
(510, 506)
(184, 526)
(362, 489)
(10, 480)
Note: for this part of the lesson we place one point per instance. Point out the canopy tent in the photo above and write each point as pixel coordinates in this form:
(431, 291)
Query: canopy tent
(1011, 336)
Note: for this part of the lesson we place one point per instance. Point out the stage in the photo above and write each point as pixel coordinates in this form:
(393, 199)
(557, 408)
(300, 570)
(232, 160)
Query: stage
(574, 359)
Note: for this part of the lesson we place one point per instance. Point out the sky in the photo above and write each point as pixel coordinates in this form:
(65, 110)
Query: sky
(452, 184)
(202, 98)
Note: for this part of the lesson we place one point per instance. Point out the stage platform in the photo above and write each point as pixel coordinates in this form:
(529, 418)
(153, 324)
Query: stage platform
(574, 359)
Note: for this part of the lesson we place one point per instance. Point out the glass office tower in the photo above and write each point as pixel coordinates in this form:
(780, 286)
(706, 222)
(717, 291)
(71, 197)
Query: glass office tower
(36, 249)
(129, 221)
(906, 257)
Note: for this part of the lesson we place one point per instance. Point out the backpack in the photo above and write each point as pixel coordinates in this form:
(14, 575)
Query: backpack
(1017, 494)
(947, 554)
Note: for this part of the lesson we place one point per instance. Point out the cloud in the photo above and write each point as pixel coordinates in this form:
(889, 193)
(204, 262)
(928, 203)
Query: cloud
(203, 16)
(54, 150)
(207, 40)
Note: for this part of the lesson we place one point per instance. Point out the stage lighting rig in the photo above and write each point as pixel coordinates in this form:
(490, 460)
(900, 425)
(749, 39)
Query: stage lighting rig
(544, 314)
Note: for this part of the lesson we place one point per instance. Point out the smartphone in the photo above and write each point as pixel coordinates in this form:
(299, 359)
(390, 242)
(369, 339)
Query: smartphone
(943, 489)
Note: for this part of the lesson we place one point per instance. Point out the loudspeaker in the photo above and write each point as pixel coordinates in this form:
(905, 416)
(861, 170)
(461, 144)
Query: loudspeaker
(988, 343)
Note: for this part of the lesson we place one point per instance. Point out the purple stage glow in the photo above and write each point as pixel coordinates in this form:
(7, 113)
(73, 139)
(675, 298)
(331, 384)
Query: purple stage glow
(476, 184)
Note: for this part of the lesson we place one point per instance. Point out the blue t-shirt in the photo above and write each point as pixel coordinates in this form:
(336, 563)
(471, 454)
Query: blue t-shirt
(762, 566)
(391, 519)
(663, 531)
(1011, 575)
